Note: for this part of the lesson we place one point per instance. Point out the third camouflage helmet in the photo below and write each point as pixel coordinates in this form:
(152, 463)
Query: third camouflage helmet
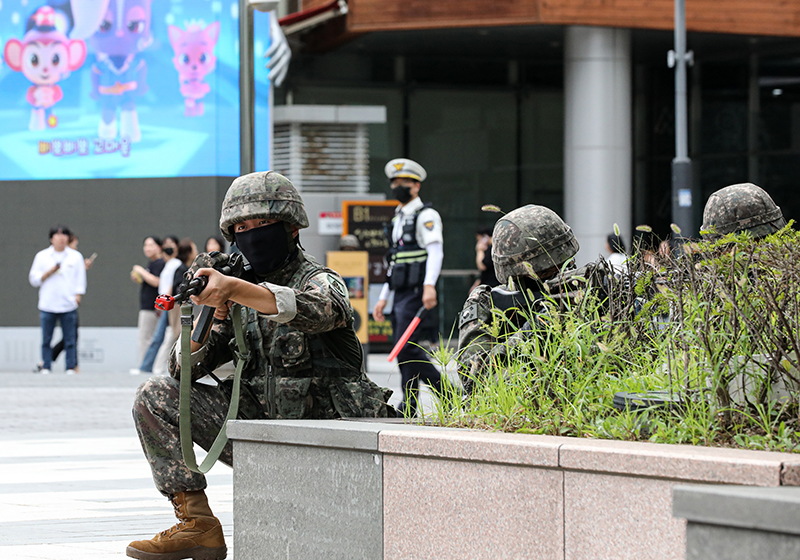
(531, 234)
(266, 194)
(349, 241)
(743, 207)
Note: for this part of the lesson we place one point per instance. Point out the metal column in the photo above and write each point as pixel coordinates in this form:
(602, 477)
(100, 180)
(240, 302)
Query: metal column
(682, 214)
(247, 88)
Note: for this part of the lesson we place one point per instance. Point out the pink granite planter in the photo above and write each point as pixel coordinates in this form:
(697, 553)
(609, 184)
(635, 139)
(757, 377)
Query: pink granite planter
(469, 494)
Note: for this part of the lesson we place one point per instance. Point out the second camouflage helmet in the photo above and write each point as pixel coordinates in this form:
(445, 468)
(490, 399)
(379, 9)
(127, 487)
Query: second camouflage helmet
(266, 194)
(531, 234)
(743, 207)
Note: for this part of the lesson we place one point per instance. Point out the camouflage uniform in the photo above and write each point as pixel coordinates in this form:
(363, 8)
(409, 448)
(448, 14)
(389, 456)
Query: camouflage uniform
(742, 207)
(303, 365)
(528, 242)
(478, 349)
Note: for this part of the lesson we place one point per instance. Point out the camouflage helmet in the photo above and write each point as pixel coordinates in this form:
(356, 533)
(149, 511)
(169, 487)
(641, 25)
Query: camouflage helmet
(265, 194)
(531, 234)
(349, 241)
(742, 207)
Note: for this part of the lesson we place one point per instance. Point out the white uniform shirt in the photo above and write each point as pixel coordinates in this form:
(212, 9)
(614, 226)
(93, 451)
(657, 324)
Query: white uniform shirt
(57, 293)
(429, 223)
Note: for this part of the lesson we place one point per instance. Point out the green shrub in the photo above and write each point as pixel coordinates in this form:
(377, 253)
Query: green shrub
(716, 328)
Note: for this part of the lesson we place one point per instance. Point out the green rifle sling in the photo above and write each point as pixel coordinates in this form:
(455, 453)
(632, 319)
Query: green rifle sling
(185, 408)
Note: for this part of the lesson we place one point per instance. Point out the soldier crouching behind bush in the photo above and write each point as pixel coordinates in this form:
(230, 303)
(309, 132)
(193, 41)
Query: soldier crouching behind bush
(299, 330)
(530, 245)
(738, 208)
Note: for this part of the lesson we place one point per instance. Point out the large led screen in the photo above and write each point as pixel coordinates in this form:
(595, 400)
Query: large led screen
(125, 88)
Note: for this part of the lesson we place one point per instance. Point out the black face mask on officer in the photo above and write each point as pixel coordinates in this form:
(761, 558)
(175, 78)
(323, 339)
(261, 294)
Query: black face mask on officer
(266, 248)
(402, 193)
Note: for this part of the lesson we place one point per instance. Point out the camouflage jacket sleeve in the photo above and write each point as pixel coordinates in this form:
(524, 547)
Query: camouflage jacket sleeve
(215, 352)
(321, 305)
(474, 339)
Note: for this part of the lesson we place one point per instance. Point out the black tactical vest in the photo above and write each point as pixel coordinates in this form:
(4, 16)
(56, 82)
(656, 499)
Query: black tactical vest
(518, 306)
(310, 375)
(406, 258)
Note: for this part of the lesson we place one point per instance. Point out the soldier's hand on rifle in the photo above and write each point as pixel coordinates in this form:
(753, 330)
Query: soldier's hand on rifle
(221, 289)
(221, 313)
(218, 290)
(429, 296)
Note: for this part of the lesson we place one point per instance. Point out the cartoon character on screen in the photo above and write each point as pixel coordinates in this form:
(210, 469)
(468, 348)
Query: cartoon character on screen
(119, 71)
(194, 60)
(45, 56)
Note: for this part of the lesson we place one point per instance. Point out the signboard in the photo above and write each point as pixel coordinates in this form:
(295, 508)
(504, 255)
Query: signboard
(366, 219)
(125, 88)
(330, 223)
(352, 266)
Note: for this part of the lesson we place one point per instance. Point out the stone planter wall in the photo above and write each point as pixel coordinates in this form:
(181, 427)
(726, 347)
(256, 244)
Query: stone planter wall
(359, 489)
(739, 522)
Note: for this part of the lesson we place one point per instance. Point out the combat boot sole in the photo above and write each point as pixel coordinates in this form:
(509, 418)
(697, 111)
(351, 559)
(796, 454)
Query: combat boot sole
(195, 553)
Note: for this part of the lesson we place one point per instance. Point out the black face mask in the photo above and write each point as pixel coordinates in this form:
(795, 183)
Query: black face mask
(266, 248)
(402, 193)
(169, 250)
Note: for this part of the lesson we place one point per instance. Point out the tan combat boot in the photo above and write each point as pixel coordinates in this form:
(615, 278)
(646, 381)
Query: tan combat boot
(197, 536)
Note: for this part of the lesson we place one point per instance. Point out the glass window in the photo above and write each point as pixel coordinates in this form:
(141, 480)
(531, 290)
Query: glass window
(467, 141)
(542, 149)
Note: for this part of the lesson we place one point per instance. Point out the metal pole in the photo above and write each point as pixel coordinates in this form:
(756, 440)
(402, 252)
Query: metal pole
(247, 91)
(682, 214)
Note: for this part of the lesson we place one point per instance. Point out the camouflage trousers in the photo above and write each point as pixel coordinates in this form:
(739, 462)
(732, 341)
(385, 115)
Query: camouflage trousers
(155, 413)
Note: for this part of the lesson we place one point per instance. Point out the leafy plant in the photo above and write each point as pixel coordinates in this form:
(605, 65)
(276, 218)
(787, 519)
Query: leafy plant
(715, 325)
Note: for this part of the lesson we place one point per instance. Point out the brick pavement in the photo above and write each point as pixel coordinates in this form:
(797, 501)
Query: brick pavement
(73, 482)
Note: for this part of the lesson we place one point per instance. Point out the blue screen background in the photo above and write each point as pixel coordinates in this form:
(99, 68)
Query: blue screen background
(172, 144)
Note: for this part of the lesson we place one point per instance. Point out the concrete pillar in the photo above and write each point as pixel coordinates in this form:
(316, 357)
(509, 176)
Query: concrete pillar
(597, 136)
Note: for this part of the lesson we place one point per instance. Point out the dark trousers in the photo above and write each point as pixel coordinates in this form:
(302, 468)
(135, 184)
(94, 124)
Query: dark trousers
(69, 327)
(59, 347)
(414, 362)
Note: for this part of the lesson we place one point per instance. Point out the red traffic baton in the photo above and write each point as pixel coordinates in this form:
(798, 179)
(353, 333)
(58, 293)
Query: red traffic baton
(406, 335)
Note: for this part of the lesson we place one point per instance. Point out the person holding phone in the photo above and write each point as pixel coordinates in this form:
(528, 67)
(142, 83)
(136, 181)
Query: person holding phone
(60, 274)
(59, 346)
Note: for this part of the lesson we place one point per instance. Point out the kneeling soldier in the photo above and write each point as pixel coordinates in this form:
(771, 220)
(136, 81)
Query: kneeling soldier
(303, 360)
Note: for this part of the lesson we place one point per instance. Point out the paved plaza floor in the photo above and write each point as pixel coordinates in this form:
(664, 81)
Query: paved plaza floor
(74, 484)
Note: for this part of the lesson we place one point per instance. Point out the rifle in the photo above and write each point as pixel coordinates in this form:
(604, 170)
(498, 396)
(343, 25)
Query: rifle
(229, 265)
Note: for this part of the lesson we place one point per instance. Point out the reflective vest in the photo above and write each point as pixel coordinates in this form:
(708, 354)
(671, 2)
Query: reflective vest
(406, 258)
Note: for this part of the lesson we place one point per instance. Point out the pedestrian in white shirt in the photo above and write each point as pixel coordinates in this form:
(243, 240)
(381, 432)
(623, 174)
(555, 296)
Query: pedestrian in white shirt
(60, 274)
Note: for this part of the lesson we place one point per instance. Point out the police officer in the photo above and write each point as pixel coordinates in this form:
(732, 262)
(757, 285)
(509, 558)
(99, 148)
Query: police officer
(415, 261)
(530, 246)
(300, 331)
(738, 208)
